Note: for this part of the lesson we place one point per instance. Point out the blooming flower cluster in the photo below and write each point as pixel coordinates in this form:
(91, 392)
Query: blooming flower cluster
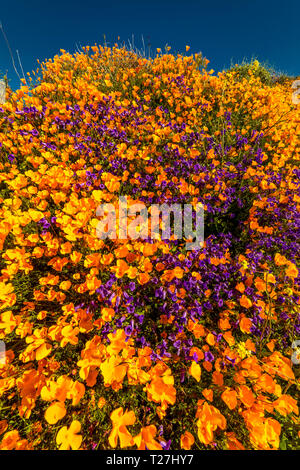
(141, 344)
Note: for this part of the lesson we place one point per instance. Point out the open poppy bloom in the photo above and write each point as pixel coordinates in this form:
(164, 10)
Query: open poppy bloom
(145, 439)
(68, 438)
(119, 431)
(55, 412)
(210, 418)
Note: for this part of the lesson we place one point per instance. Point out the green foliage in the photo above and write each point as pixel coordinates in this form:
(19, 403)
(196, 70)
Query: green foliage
(265, 72)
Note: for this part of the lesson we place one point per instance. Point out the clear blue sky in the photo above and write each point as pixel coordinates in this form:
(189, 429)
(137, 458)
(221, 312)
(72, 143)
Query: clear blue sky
(224, 31)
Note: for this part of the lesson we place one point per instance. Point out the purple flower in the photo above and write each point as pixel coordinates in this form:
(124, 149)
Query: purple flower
(230, 360)
(209, 356)
(165, 445)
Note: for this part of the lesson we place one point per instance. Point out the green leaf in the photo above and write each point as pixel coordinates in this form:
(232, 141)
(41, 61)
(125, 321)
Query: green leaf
(282, 445)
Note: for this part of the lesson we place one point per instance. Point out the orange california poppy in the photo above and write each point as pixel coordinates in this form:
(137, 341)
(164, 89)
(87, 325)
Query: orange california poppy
(186, 440)
(69, 438)
(120, 421)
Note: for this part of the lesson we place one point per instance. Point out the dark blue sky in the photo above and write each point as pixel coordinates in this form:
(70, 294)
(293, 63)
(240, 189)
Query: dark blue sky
(224, 31)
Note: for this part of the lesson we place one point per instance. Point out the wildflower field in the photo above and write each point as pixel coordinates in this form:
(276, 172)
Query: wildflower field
(141, 343)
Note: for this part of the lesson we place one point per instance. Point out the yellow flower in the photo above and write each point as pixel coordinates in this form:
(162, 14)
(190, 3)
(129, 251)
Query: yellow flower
(195, 371)
(69, 438)
(119, 430)
(55, 412)
(242, 350)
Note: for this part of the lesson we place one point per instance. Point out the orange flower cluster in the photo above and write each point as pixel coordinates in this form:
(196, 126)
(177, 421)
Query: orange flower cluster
(93, 327)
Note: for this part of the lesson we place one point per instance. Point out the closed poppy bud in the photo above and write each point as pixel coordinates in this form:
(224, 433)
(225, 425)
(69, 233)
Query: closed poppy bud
(186, 440)
(245, 302)
(101, 402)
(195, 370)
(230, 398)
